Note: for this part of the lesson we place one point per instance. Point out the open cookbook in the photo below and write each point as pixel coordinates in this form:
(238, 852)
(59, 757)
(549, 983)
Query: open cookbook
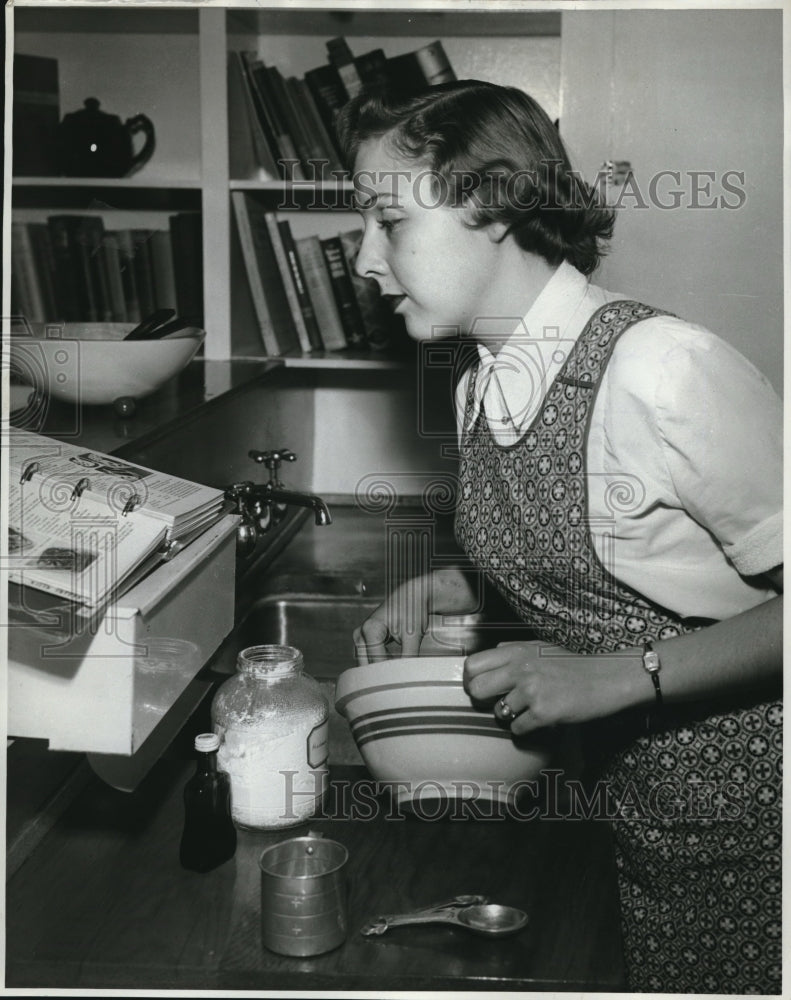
(86, 526)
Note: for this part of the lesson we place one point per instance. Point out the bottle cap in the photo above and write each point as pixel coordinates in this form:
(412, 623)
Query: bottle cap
(207, 742)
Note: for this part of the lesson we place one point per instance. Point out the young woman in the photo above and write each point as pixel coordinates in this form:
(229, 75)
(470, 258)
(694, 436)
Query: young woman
(620, 485)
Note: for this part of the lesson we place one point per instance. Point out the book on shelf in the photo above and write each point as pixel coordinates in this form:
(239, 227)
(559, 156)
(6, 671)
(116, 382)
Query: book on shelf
(111, 263)
(70, 269)
(272, 308)
(141, 262)
(376, 316)
(186, 235)
(313, 341)
(316, 151)
(36, 115)
(316, 122)
(27, 286)
(99, 276)
(269, 105)
(329, 95)
(343, 290)
(44, 263)
(126, 262)
(372, 67)
(340, 55)
(304, 145)
(249, 149)
(284, 266)
(319, 285)
(74, 239)
(162, 269)
(84, 525)
(425, 67)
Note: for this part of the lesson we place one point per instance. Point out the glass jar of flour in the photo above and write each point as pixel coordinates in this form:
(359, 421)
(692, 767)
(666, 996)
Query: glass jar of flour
(272, 721)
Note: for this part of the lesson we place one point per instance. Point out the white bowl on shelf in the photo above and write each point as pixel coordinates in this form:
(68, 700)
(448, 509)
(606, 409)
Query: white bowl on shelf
(92, 363)
(421, 736)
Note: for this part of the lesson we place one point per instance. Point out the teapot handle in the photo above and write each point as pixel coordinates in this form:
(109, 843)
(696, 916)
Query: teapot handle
(141, 123)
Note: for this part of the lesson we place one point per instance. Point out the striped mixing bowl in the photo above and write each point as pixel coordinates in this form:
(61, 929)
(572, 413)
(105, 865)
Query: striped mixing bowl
(421, 736)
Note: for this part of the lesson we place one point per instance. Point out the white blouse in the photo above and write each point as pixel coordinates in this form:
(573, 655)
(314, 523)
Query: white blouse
(684, 456)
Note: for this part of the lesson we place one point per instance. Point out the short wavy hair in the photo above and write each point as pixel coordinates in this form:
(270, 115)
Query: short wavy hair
(495, 150)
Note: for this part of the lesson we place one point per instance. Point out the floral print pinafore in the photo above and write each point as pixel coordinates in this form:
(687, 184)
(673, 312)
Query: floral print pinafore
(697, 826)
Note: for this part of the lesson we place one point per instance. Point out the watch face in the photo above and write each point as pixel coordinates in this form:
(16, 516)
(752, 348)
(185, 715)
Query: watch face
(651, 662)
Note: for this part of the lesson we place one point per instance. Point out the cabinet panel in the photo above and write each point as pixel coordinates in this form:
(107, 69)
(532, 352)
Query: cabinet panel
(107, 689)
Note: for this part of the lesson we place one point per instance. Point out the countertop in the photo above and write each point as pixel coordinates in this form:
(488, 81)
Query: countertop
(103, 902)
(200, 384)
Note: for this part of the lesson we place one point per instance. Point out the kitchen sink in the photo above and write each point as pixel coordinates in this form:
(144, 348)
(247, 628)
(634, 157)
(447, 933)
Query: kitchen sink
(320, 626)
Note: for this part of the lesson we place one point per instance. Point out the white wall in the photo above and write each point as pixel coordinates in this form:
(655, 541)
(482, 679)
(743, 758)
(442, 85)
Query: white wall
(688, 90)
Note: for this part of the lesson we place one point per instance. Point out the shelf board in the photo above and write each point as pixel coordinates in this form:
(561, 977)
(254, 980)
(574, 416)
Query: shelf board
(102, 193)
(334, 360)
(90, 18)
(398, 20)
(299, 186)
(302, 194)
(130, 182)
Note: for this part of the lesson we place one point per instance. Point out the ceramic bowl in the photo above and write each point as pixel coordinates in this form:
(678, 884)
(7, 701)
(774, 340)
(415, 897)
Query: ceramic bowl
(420, 734)
(92, 363)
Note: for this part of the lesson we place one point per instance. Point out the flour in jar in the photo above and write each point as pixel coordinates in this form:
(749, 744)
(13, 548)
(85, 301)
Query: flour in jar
(278, 771)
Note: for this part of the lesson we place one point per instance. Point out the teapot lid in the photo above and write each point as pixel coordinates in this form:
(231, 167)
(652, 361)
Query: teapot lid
(91, 110)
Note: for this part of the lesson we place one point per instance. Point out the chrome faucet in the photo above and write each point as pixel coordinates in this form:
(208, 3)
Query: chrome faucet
(260, 506)
(288, 498)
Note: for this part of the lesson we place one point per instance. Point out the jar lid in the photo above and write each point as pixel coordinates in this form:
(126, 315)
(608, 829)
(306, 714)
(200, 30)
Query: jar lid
(207, 742)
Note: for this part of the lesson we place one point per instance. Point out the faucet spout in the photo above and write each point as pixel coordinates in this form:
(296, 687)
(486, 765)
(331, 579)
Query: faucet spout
(320, 509)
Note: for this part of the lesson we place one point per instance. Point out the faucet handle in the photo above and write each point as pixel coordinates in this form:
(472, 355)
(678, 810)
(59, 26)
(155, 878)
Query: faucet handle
(236, 491)
(272, 459)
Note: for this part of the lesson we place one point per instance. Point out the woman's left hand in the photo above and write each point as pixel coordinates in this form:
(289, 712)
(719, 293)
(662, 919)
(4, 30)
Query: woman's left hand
(539, 685)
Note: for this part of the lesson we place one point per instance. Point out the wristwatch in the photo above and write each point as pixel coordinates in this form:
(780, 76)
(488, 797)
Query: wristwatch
(652, 665)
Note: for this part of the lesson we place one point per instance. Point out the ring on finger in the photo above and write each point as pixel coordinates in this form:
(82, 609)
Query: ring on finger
(503, 710)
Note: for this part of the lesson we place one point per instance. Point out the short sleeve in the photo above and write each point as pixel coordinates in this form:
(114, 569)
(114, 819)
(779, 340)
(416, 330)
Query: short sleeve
(720, 426)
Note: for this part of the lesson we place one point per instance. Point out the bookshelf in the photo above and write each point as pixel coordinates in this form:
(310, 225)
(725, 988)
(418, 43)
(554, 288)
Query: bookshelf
(171, 63)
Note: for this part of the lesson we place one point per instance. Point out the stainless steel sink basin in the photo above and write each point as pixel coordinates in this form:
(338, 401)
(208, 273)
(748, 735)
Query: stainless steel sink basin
(321, 627)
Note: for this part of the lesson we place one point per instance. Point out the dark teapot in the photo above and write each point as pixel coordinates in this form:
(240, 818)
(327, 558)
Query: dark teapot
(91, 143)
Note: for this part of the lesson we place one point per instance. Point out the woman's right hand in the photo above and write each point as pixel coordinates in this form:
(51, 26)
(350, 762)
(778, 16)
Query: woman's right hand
(404, 617)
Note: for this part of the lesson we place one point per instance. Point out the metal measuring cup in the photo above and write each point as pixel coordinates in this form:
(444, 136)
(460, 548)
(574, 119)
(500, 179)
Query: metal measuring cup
(304, 895)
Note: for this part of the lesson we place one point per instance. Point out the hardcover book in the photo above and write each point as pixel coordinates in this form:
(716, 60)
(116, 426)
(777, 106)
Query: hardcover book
(328, 93)
(36, 115)
(272, 308)
(163, 270)
(128, 278)
(186, 234)
(344, 292)
(44, 263)
(29, 297)
(111, 262)
(75, 240)
(250, 153)
(319, 284)
(310, 323)
(414, 71)
(276, 240)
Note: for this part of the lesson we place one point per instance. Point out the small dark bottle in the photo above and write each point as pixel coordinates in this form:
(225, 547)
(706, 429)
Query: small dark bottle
(209, 836)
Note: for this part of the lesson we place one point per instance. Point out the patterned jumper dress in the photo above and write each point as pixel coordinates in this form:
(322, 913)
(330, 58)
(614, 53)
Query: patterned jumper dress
(698, 829)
